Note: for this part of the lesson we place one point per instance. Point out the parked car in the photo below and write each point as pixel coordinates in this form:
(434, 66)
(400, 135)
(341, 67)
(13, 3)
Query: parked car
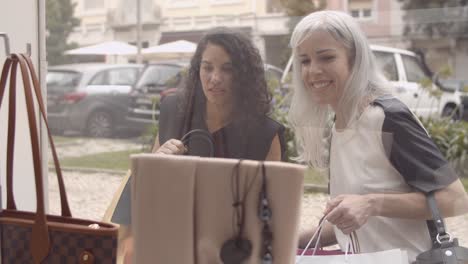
(90, 98)
(459, 87)
(161, 79)
(156, 81)
(405, 70)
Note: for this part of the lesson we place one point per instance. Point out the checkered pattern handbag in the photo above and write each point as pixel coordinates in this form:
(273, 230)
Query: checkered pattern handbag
(36, 237)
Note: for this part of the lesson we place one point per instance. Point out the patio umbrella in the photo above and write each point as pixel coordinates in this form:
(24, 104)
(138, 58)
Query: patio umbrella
(175, 49)
(105, 48)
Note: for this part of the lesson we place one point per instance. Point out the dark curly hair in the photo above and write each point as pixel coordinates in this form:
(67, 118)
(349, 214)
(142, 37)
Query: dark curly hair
(251, 95)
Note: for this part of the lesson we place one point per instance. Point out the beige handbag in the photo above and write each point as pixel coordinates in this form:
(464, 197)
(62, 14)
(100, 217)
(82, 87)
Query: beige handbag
(183, 208)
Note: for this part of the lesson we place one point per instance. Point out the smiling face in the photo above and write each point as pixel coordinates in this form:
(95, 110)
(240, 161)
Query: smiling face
(216, 74)
(325, 67)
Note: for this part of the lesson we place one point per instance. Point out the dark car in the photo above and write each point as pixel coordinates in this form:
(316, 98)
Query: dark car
(90, 98)
(156, 81)
(161, 79)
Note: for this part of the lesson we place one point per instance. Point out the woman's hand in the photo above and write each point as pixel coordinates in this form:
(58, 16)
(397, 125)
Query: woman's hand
(349, 212)
(172, 146)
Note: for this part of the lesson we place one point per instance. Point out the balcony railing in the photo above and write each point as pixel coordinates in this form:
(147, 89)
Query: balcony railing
(271, 24)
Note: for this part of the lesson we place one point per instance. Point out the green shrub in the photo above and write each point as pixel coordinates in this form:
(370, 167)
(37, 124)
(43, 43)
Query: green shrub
(280, 101)
(148, 137)
(451, 137)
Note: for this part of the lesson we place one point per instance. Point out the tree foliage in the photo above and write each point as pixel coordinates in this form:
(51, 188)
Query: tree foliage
(435, 18)
(302, 7)
(296, 9)
(60, 22)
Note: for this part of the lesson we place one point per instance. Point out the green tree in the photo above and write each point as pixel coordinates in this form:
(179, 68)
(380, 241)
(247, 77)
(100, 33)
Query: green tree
(60, 22)
(296, 9)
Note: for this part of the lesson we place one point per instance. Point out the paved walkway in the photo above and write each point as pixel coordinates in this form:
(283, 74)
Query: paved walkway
(90, 194)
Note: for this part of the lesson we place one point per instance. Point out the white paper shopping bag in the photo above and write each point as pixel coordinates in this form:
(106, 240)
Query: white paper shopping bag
(394, 256)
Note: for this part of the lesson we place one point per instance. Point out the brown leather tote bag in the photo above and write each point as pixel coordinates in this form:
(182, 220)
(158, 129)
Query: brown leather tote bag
(34, 237)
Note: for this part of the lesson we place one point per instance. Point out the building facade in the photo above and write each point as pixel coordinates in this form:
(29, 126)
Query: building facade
(264, 20)
(107, 20)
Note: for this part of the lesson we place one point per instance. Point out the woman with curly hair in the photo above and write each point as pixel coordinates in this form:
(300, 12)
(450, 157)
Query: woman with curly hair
(225, 94)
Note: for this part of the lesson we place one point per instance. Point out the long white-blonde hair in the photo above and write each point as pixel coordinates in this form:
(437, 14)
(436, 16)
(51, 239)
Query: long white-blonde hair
(310, 121)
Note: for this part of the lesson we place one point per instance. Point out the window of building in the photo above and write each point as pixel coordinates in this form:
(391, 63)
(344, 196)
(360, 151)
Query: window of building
(360, 9)
(94, 27)
(93, 4)
(225, 2)
(181, 3)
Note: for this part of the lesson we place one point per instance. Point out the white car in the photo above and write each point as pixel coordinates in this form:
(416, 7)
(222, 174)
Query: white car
(404, 70)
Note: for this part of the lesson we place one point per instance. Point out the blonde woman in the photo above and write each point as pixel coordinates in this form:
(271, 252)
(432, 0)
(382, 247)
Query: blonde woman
(381, 160)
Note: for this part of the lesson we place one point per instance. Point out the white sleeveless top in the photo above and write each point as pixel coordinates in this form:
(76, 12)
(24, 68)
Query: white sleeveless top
(387, 151)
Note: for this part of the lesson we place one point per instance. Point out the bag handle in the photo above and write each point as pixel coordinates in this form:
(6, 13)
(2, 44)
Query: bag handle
(445, 248)
(11, 204)
(317, 235)
(39, 243)
(11, 120)
(202, 134)
(65, 208)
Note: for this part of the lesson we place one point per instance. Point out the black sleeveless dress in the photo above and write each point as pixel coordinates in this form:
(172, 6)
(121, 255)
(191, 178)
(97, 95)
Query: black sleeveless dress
(246, 139)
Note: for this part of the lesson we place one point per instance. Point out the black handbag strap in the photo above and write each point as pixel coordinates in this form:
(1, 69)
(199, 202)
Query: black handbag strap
(436, 226)
(202, 134)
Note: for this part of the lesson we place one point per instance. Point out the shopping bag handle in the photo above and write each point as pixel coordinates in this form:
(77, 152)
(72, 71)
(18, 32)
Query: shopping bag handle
(317, 235)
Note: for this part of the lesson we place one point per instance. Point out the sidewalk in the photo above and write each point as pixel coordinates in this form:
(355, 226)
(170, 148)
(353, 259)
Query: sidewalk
(90, 192)
(89, 195)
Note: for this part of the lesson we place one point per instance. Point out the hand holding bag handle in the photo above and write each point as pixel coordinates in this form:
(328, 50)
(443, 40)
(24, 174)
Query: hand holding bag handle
(202, 134)
(445, 249)
(39, 237)
(120, 213)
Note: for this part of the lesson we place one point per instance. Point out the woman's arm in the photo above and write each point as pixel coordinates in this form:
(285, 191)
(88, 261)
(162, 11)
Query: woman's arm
(451, 200)
(350, 212)
(274, 154)
(327, 239)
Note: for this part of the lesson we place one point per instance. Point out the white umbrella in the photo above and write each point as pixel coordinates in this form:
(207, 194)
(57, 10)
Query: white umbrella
(177, 48)
(105, 48)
